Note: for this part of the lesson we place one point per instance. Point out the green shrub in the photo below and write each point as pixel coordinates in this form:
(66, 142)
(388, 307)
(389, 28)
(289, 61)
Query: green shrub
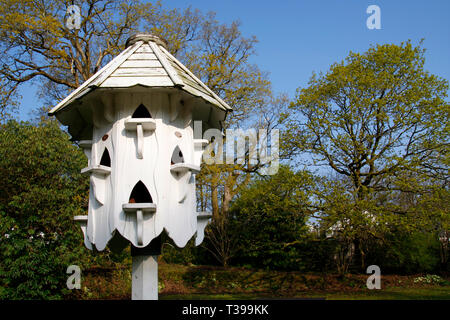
(41, 189)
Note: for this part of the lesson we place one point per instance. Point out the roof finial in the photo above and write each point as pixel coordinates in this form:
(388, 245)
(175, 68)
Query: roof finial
(146, 37)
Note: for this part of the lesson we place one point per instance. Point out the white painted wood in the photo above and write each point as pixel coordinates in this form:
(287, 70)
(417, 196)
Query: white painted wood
(104, 75)
(124, 82)
(169, 69)
(199, 148)
(141, 151)
(98, 169)
(131, 169)
(174, 105)
(145, 207)
(201, 142)
(181, 223)
(182, 168)
(198, 93)
(98, 183)
(145, 48)
(80, 218)
(140, 226)
(173, 191)
(107, 101)
(86, 145)
(140, 140)
(144, 284)
(203, 218)
(100, 226)
(82, 222)
(215, 96)
(142, 56)
(141, 64)
(105, 71)
(148, 124)
(190, 82)
(144, 71)
(139, 125)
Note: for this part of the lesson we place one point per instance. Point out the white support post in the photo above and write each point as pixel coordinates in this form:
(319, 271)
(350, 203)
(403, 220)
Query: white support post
(140, 140)
(140, 226)
(144, 285)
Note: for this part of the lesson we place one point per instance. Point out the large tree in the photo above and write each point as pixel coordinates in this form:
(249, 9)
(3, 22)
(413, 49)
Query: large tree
(374, 115)
(41, 190)
(220, 55)
(37, 46)
(269, 219)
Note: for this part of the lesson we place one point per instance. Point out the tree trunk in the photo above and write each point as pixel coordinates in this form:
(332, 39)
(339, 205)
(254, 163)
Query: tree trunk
(215, 202)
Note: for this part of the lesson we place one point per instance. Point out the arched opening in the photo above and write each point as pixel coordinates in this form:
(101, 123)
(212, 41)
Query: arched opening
(140, 194)
(141, 112)
(106, 159)
(177, 156)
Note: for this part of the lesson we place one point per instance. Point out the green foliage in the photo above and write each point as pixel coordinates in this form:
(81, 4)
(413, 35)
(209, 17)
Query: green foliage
(172, 254)
(41, 189)
(379, 121)
(270, 217)
(430, 279)
(59, 58)
(415, 252)
(217, 53)
(374, 115)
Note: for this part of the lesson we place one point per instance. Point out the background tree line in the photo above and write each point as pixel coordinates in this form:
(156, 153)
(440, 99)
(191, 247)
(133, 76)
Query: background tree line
(371, 135)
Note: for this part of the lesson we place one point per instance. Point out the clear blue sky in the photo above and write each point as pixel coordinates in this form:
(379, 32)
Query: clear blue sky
(297, 37)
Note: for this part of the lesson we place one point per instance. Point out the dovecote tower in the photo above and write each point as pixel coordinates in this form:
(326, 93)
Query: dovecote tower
(134, 120)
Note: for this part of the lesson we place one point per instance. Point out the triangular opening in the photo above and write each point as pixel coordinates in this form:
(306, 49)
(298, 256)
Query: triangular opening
(177, 156)
(141, 112)
(140, 194)
(106, 159)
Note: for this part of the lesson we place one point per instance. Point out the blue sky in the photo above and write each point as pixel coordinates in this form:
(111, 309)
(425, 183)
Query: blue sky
(302, 36)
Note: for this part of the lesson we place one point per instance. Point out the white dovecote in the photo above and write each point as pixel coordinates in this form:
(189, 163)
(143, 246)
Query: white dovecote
(134, 121)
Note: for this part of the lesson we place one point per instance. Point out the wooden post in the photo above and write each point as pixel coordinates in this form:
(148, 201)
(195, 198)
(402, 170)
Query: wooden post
(144, 283)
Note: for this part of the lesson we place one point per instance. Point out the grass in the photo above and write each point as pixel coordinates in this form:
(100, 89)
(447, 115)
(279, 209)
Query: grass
(215, 283)
(431, 293)
(399, 293)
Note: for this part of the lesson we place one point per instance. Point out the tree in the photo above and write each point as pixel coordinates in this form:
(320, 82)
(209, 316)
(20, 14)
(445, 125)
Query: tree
(433, 208)
(379, 121)
(220, 56)
(37, 46)
(268, 220)
(374, 115)
(353, 225)
(41, 189)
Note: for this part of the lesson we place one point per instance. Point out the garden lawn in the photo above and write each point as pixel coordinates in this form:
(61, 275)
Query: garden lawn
(207, 282)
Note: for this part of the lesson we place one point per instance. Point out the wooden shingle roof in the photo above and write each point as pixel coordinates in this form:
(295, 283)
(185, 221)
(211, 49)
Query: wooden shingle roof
(145, 62)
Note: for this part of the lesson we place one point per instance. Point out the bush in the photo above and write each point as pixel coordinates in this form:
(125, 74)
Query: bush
(41, 189)
(269, 218)
(416, 252)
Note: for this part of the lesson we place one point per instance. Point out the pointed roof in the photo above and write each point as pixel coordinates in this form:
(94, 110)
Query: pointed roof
(145, 62)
